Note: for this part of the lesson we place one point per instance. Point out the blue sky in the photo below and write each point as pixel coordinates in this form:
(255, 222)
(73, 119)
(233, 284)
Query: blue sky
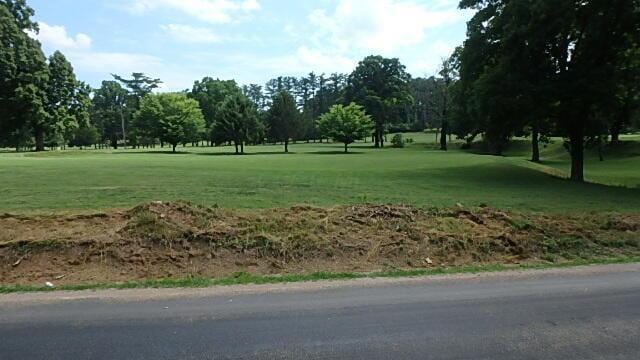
(251, 41)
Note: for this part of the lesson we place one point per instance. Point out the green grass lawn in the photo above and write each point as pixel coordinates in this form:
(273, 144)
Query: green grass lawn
(621, 165)
(316, 174)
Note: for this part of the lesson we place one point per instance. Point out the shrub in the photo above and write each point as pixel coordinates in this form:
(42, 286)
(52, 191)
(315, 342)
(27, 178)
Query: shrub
(397, 141)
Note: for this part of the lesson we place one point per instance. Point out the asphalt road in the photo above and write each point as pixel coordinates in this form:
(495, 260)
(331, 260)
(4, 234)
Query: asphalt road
(589, 313)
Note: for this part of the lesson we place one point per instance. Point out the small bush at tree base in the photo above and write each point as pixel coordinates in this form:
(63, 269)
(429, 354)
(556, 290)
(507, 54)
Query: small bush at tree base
(397, 141)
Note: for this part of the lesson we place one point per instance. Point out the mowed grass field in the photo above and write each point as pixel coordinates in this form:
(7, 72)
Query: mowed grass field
(318, 174)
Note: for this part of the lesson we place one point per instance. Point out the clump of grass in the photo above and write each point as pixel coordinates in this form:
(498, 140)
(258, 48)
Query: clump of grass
(148, 225)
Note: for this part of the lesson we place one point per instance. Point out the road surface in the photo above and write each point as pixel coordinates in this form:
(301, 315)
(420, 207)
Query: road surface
(582, 313)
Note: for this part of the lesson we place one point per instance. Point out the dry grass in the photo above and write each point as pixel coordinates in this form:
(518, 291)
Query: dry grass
(160, 240)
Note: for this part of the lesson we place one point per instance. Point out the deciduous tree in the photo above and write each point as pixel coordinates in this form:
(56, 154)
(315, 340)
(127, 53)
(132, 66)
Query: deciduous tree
(109, 111)
(381, 85)
(346, 124)
(172, 117)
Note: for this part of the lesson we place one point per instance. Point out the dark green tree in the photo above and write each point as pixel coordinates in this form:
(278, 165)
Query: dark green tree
(283, 119)
(210, 94)
(254, 93)
(139, 86)
(85, 135)
(237, 122)
(381, 85)
(172, 117)
(61, 97)
(109, 111)
(442, 98)
(545, 64)
(24, 76)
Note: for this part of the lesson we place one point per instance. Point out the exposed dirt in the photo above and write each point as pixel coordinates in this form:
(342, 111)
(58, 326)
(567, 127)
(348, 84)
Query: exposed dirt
(160, 240)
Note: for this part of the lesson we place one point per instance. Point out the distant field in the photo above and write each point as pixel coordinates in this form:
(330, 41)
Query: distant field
(319, 175)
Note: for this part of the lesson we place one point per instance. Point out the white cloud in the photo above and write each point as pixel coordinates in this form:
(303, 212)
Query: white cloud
(382, 26)
(190, 34)
(308, 59)
(114, 62)
(428, 66)
(103, 64)
(212, 11)
(300, 62)
(56, 37)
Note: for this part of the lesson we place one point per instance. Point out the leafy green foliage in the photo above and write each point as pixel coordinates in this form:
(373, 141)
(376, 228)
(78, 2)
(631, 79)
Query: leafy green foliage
(38, 99)
(397, 141)
(283, 119)
(237, 121)
(544, 65)
(139, 86)
(210, 94)
(61, 91)
(109, 111)
(85, 136)
(381, 85)
(24, 76)
(346, 124)
(171, 117)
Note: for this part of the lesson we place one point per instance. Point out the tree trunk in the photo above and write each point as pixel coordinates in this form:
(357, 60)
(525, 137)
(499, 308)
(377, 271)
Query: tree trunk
(346, 148)
(576, 145)
(241, 147)
(615, 132)
(380, 136)
(237, 150)
(174, 148)
(600, 147)
(286, 146)
(39, 140)
(124, 131)
(443, 136)
(623, 118)
(535, 143)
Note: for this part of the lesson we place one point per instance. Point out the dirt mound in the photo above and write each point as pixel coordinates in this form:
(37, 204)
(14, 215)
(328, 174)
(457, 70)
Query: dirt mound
(180, 239)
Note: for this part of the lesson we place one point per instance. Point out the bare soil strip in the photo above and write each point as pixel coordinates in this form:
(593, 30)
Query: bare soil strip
(179, 240)
(21, 299)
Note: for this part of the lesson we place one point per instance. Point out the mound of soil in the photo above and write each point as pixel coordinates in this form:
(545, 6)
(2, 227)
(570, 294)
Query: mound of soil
(159, 240)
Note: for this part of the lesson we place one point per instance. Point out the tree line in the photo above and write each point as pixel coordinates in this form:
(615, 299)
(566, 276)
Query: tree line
(536, 68)
(44, 105)
(40, 98)
(546, 68)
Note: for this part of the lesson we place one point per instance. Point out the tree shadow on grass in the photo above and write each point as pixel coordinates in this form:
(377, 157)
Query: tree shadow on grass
(225, 153)
(245, 154)
(151, 153)
(503, 180)
(332, 152)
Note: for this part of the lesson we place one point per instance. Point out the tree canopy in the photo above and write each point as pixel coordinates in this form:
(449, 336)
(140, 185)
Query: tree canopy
(346, 124)
(548, 66)
(283, 119)
(381, 86)
(171, 117)
(237, 122)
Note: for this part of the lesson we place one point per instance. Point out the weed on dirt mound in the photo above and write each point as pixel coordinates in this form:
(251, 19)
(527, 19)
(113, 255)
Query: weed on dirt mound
(159, 240)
